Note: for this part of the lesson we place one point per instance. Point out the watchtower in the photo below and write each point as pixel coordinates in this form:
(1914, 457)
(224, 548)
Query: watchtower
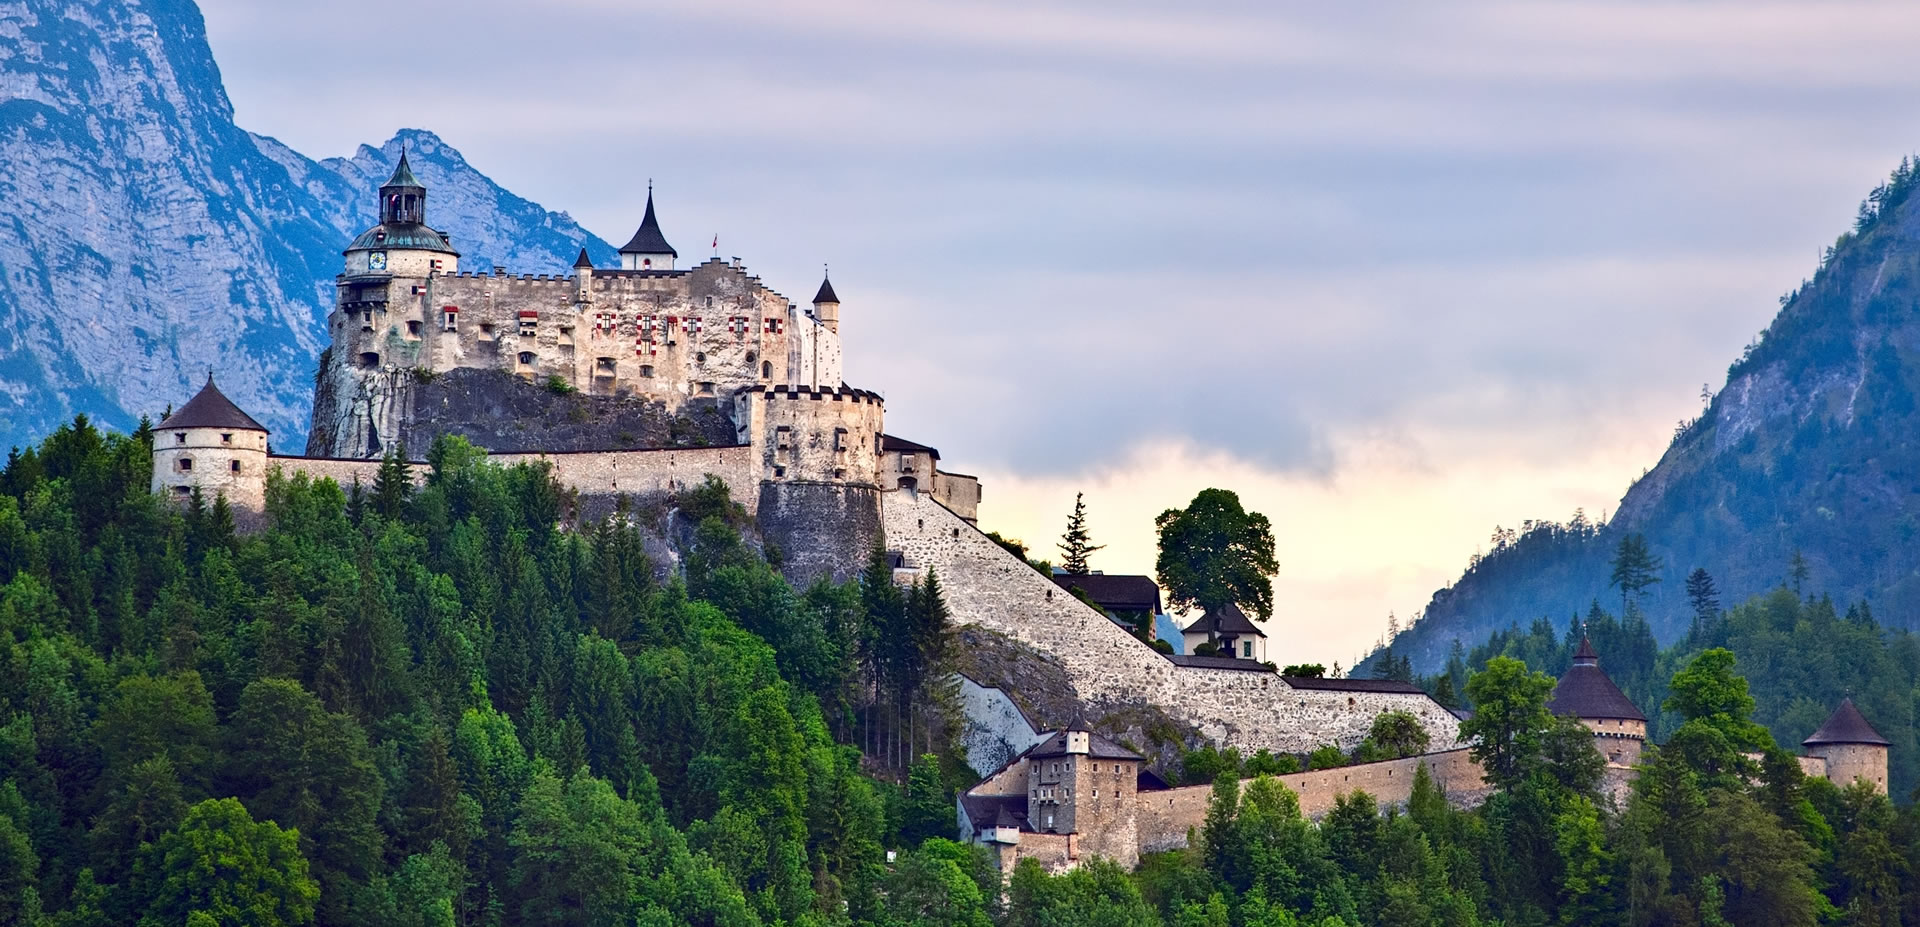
(1586, 692)
(1851, 748)
(209, 444)
(1081, 783)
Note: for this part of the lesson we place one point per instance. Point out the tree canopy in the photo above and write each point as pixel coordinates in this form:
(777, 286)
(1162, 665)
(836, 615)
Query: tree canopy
(1214, 553)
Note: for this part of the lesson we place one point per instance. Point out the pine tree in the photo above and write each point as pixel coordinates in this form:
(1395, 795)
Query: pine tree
(1797, 571)
(1704, 598)
(1074, 546)
(1634, 569)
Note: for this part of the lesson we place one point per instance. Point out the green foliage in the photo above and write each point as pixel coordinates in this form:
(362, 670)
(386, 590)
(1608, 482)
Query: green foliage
(1510, 719)
(558, 385)
(1634, 569)
(1214, 552)
(1396, 734)
(1305, 670)
(222, 867)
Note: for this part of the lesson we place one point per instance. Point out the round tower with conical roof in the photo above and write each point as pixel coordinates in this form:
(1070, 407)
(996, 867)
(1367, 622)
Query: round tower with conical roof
(211, 445)
(1588, 694)
(1852, 749)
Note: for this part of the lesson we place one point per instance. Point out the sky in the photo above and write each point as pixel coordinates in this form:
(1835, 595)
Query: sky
(1396, 273)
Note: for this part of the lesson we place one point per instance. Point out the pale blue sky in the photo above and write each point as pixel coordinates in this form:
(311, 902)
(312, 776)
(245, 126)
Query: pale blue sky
(1397, 272)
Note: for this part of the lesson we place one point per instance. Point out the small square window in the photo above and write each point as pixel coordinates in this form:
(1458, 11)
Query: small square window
(646, 370)
(413, 328)
(186, 463)
(486, 331)
(528, 327)
(233, 465)
(226, 438)
(180, 437)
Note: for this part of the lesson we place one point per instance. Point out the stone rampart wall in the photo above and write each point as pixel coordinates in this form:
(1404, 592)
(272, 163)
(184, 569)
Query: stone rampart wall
(820, 529)
(1111, 671)
(1166, 817)
(636, 474)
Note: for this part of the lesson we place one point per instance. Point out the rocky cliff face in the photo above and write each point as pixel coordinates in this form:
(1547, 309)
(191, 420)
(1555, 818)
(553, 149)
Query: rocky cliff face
(145, 239)
(1809, 447)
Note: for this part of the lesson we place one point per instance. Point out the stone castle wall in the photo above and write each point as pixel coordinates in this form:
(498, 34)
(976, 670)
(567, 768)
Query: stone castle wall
(1112, 671)
(1166, 817)
(639, 475)
(821, 530)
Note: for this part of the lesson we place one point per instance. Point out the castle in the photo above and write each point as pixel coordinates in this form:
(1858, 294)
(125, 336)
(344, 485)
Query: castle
(633, 383)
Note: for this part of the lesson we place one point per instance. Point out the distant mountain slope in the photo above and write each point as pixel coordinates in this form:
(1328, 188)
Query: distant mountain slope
(1812, 446)
(144, 238)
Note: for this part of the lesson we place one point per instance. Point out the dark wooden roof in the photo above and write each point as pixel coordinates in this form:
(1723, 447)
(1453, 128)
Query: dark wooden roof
(826, 294)
(647, 239)
(1586, 691)
(1231, 622)
(1227, 663)
(1098, 747)
(210, 408)
(892, 445)
(1115, 592)
(987, 811)
(583, 260)
(1847, 726)
(1353, 685)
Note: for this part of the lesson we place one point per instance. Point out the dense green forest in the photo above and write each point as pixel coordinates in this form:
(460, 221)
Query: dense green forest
(446, 705)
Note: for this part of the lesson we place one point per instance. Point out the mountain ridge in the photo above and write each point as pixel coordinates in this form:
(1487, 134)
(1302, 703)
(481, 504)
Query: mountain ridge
(145, 238)
(1801, 453)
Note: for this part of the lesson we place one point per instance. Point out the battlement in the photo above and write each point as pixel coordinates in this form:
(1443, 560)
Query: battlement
(796, 393)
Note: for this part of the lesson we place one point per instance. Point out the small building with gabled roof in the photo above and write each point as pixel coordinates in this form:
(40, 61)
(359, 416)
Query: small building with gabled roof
(1229, 629)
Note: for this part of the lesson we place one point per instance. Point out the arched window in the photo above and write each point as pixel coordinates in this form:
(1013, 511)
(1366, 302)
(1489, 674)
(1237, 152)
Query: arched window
(766, 370)
(526, 359)
(370, 360)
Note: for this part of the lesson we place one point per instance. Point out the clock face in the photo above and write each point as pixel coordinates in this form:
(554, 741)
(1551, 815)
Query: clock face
(377, 260)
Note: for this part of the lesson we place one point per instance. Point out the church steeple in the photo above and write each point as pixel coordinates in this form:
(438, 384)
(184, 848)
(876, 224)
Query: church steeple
(648, 249)
(403, 200)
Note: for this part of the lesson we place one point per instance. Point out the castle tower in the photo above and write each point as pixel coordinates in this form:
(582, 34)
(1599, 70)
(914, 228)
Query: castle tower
(1081, 783)
(648, 249)
(583, 277)
(1851, 747)
(402, 244)
(1585, 692)
(210, 445)
(826, 306)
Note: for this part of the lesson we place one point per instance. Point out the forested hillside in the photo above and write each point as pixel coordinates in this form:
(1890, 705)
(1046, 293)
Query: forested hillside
(1806, 451)
(1800, 654)
(448, 705)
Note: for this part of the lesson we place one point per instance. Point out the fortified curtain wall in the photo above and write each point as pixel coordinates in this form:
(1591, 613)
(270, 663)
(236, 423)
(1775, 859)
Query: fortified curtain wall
(638, 474)
(1110, 669)
(1166, 817)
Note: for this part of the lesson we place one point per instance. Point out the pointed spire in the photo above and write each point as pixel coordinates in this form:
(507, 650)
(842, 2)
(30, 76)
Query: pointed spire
(1585, 656)
(826, 294)
(402, 174)
(648, 240)
(583, 261)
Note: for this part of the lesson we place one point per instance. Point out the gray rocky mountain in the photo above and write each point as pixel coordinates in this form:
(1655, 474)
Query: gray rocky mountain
(145, 239)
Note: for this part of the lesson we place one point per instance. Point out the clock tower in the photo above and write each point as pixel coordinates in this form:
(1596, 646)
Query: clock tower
(402, 245)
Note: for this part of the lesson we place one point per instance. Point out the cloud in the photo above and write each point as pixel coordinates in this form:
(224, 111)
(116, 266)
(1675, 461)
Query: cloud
(1402, 268)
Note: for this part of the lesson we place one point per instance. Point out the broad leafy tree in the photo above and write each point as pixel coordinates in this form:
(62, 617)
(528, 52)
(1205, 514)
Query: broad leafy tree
(1214, 553)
